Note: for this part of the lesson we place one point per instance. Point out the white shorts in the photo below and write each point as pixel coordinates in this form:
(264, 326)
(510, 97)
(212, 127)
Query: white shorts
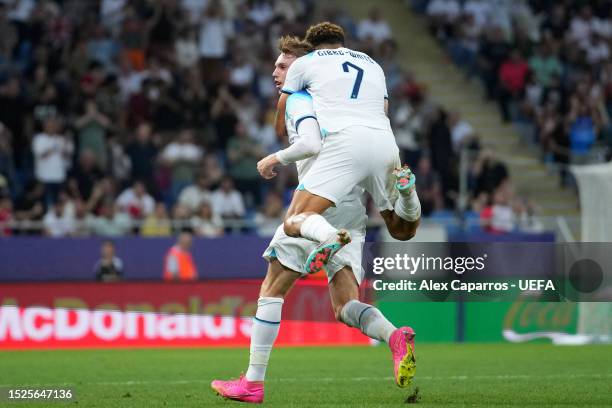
(357, 155)
(292, 253)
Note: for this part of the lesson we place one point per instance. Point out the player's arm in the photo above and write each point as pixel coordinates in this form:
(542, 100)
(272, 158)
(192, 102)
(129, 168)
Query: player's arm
(279, 123)
(307, 144)
(387, 107)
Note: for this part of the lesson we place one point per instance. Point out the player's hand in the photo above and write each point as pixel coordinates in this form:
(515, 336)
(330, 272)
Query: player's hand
(265, 166)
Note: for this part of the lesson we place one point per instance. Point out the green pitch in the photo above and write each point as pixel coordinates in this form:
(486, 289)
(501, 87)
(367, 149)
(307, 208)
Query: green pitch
(475, 375)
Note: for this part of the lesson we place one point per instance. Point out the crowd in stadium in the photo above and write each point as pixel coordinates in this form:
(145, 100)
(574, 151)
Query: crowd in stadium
(146, 117)
(546, 63)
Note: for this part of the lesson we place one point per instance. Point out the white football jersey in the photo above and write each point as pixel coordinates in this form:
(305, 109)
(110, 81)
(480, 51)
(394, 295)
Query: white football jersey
(298, 108)
(350, 213)
(348, 88)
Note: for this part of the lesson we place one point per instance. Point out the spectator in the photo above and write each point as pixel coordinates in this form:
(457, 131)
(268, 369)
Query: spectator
(142, 153)
(499, 217)
(82, 219)
(183, 157)
(241, 73)
(582, 25)
(227, 201)
(584, 123)
(52, 152)
(270, 216)
(111, 222)
(186, 48)
(120, 163)
(545, 65)
(15, 115)
(429, 187)
(461, 131)
(243, 153)
(441, 147)
(597, 49)
(181, 218)
(512, 75)
(487, 173)
(479, 10)
(109, 268)
(442, 14)
(157, 224)
(178, 264)
(213, 170)
(30, 207)
(262, 132)
(206, 223)
(59, 220)
(92, 127)
(493, 52)
(215, 32)
(102, 48)
(374, 27)
(136, 202)
(194, 195)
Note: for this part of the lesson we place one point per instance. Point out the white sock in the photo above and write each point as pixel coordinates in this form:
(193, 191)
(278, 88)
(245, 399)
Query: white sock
(265, 329)
(408, 207)
(316, 228)
(368, 319)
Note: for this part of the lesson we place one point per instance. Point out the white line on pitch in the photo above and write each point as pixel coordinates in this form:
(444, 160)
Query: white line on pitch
(326, 379)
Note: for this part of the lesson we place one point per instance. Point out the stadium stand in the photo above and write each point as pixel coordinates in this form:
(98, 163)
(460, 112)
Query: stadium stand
(136, 117)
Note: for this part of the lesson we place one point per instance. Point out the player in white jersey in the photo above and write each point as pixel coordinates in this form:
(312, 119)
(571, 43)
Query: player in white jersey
(350, 100)
(287, 255)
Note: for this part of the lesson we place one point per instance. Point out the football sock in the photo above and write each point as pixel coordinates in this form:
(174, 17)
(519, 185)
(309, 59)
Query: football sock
(265, 329)
(368, 319)
(316, 228)
(408, 207)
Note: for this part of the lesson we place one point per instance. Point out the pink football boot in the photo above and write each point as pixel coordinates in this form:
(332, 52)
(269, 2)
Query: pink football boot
(401, 344)
(240, 390)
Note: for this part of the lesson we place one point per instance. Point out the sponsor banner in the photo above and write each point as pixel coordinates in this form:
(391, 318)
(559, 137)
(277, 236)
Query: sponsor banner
(159, 314)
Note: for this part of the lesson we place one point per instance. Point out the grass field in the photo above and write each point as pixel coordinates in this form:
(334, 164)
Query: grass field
(483, 375)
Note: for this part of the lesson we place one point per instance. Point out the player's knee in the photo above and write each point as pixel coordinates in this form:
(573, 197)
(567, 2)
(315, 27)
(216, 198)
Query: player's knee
(292, 224)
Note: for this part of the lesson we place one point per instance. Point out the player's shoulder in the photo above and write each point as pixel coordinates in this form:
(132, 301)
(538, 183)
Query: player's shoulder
(299, 103)
(302, 95)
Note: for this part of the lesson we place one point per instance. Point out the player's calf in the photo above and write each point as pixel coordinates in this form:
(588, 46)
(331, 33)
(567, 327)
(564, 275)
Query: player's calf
(368, 319)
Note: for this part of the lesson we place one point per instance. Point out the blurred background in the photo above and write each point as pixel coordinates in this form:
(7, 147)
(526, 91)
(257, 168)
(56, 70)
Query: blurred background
(130, 131)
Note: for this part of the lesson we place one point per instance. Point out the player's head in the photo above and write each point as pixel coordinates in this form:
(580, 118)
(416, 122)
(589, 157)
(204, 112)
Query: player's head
(291, 48)
(325, 34)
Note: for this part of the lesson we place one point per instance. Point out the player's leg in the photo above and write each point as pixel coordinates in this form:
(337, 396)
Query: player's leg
(304, 205)
(344, 294)
(339, 167)
(278, 282)
(249, 388)
(403, 221)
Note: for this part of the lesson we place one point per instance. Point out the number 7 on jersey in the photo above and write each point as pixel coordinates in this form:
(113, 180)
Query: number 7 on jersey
(357, 84)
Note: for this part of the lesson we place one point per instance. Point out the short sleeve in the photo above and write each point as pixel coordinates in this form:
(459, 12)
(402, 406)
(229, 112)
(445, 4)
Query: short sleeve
(295, 80)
